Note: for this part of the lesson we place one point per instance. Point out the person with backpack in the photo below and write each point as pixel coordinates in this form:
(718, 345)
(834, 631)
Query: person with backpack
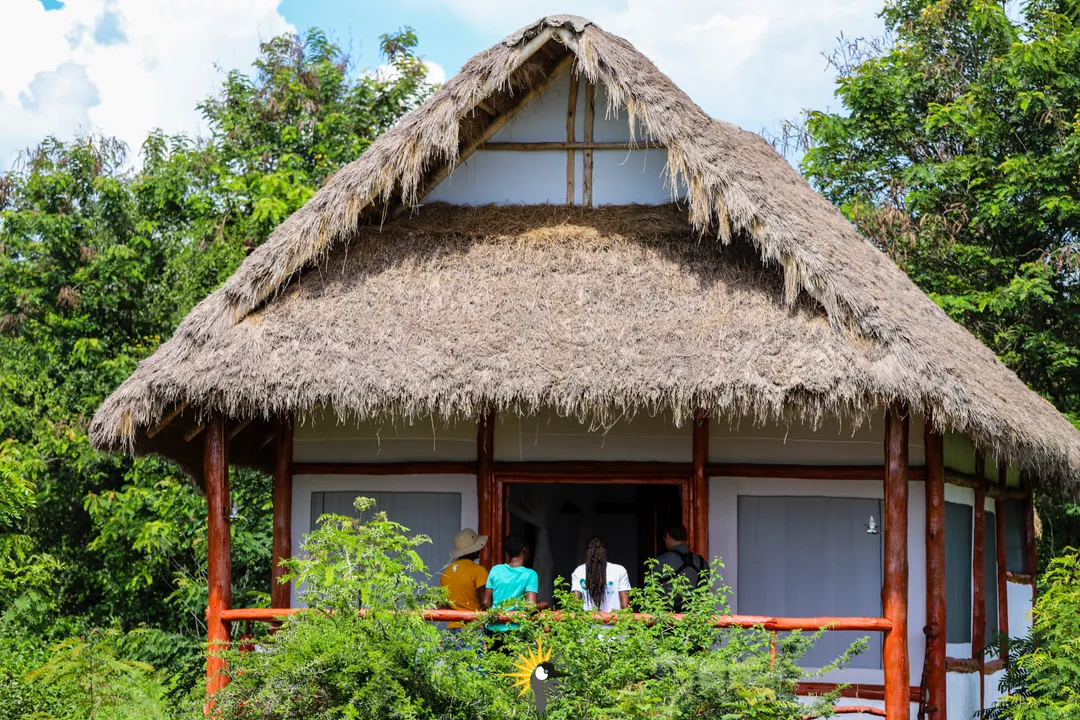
(680, 560)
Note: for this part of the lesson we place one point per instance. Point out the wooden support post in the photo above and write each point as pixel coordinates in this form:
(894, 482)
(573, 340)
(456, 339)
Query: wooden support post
(571, 120)
(283, 487)
(485, 443)
(219, 562)
(1002, 565)
(894, 588)
(700, 484)
(978, 562)
(499, 520)
(587, 155)
(978, 576)
(934, 672)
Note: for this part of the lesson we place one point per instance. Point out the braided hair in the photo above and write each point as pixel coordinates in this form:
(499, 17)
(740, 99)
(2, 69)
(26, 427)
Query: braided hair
(596, 571)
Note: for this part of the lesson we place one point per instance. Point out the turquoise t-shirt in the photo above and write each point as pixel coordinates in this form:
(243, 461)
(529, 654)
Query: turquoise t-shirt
(509, 583)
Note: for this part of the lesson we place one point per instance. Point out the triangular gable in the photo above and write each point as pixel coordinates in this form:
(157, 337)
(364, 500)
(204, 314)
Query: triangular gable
(526, 162)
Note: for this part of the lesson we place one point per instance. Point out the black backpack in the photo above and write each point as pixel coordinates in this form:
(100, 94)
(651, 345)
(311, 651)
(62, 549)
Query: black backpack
(693, 568)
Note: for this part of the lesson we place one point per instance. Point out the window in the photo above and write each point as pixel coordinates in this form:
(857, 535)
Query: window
(1016, 536)
(437, 515)
(812, 556)
(990, 575)
(958, 536)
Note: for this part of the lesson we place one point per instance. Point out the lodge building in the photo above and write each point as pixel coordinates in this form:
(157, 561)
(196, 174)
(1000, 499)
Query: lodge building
(558, 299)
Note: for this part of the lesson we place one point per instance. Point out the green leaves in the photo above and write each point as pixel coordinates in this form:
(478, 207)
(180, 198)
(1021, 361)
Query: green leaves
(100, 258)
(1045, 669)
(386, 662)
(959, 155)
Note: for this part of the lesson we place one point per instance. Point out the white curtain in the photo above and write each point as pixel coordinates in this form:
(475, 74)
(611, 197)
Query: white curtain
(534, 505)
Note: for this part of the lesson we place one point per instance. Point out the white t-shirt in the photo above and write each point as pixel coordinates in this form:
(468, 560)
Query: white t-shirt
(617, 581)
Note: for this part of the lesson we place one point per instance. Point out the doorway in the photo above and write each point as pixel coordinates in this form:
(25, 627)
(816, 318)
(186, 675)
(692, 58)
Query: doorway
(557, 520)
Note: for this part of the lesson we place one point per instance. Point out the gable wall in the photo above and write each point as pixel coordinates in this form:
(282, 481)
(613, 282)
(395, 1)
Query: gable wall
(535, 177)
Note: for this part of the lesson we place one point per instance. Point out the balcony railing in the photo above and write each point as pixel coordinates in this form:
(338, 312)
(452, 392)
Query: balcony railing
(776, 624)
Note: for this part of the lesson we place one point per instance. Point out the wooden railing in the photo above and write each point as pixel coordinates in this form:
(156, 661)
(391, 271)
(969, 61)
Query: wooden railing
(772, 624)
(868, 624)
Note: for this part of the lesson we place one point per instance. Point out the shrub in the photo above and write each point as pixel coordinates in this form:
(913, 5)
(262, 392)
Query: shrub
(1044, 670)
(386, 662)
(88, 678)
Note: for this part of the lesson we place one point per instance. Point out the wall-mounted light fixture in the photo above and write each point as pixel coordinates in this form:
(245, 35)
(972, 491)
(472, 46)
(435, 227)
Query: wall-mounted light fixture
(872, 528)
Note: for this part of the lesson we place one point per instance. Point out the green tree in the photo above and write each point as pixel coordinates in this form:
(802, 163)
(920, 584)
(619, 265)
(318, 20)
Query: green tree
(1044, 672)
(99, 261)
(93, 682)
(957, 153)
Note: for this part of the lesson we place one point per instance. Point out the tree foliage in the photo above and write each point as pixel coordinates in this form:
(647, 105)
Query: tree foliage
(1044, 670)
(101, 255)
(957, 152)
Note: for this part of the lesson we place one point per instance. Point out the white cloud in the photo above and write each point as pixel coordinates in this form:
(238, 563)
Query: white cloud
(119, 66)
(435, 72)
(752, 62)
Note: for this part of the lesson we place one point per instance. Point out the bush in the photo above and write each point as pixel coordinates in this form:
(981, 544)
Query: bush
(386, 662)
(1044, 670)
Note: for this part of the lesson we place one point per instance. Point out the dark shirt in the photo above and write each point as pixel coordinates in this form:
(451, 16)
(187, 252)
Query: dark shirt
(671, 558)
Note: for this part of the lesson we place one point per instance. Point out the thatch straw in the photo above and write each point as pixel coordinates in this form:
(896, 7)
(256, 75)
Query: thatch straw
(430, 316)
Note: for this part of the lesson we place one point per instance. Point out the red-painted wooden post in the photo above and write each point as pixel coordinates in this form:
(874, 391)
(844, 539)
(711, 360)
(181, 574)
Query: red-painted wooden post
(894, 588)
(1002, 564)
(219, 562)
(283, 489)
(485, 444)
(978, 576)
(1031, 543)
(935, 573)
(700, 491)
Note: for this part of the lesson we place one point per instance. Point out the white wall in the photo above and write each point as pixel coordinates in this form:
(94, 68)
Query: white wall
(324, 439)
(962, 694)
(831, 443)
(514, 177)
(1019, 609)
(547, 436)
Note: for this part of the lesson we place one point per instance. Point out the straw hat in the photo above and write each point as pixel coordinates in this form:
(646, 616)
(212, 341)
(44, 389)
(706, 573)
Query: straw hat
(467, 542)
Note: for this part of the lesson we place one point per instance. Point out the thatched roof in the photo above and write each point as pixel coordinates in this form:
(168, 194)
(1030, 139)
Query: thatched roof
(649, 309)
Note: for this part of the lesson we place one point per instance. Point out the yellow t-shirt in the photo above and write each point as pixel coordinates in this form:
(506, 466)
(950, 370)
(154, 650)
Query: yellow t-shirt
(462, 579)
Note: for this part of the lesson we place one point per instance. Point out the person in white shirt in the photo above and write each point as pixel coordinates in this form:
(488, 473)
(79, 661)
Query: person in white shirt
(603, 586)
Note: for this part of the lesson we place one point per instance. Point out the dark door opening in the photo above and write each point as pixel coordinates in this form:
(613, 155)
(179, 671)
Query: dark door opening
(557, 520)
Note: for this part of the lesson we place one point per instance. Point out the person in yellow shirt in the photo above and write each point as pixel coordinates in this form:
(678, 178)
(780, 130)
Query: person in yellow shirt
(464, 578)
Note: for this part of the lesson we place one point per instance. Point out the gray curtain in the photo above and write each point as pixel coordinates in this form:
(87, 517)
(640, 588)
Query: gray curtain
(958, 536)
(1015, 536)
(437, 515)
(811, 556)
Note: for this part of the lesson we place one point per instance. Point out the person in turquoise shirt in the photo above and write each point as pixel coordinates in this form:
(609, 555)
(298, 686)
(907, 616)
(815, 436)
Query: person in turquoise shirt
(511, 581)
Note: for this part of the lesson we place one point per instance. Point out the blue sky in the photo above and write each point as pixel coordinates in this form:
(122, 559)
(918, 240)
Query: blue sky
(124, 67)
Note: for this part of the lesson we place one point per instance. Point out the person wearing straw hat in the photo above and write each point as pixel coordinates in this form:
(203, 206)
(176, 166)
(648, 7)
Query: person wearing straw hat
(464, 578)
